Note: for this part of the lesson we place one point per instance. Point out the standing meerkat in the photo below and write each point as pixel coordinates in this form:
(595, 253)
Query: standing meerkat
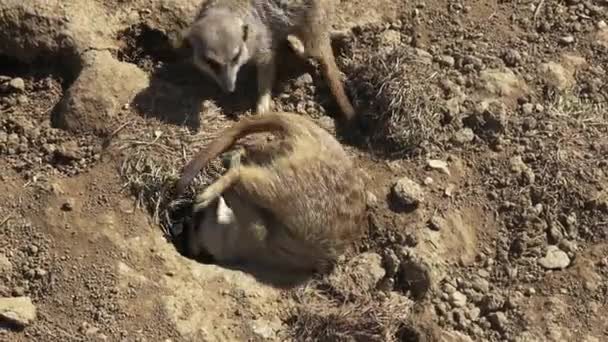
(228, 34)
(293, 207)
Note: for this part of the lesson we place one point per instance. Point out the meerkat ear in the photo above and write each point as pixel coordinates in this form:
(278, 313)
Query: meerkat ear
(245, 32)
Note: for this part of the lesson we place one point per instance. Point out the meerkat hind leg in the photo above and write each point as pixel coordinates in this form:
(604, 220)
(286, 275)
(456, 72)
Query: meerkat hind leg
(216, 188)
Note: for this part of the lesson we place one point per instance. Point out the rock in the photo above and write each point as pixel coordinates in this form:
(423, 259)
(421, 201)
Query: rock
(502, 83)
(492, 302)
(408, 192)
(371, 199)
(602, 37)
(390, 38)
(17, 84)
(480, 284)
(436, 222)
(6, 266)
(19, 311)
(554, 259)
(498, 320)
(423, 57)
(367, 269)
(567, 39)
(512, 57)
(428, 181)
(440, 165)
(463, 136)
(556, 76)
(265, 329)
(447, 61)
(458, 299)
(68, 205)
(69, 150)
(98, 94)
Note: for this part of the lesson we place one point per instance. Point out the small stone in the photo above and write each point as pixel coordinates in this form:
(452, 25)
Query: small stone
(303, 80)
(371, 199)
(368, 270)
(528, 108)
(492, 302)
(458, 299)
(463, 136)
(601, 25)
(69, 150)
(32, 249)
(440, 165)
(447, 61)
(554, 259)
(449, 190)
(567, 39)
(428, 181)
(436, 222)
(19, 311)
(408, 192)
(264, 329)
(473, 314)
(480, 284)
(68, 205)
(6, 266)
(17, 84)
(498, 320)
(512, 58)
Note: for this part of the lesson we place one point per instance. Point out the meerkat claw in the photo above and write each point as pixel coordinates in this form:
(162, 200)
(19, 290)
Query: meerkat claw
(296, 44)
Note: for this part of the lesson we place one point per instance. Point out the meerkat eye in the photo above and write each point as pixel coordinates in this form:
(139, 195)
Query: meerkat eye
(212, 64)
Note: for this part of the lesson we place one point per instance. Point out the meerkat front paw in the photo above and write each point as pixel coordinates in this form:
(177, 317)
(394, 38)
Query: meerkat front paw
(297, 45)
(264, 104)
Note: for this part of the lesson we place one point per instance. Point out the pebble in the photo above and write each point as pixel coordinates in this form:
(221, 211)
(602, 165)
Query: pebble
(498, 320)
(19, 311)
(6, 266)
(440, 165)
(408, 192)
(554, 259)
(436, 222)
(17, 84)
(512, 57)
(458, 299)
(463, 136)
(371, 199)
(446, 60)
(567, 40)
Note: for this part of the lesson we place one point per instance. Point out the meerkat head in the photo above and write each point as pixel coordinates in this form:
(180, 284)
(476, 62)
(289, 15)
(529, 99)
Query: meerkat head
(218, 42)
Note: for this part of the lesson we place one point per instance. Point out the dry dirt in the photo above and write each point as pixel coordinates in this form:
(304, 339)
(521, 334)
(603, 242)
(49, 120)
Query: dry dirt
(492, 115)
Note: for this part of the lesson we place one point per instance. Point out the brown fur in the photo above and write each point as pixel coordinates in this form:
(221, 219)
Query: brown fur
(260, 27)
(295, 207)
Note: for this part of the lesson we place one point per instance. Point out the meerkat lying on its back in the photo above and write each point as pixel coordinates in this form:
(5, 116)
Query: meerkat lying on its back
(293, 207)
(229, 33)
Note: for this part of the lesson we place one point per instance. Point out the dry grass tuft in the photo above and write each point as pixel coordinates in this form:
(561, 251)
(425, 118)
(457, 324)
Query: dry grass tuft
(399, 104)
(150, 171)
(319, 318)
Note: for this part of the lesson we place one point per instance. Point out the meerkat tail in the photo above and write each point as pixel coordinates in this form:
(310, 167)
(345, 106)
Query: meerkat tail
(270, 122)
(331, 73)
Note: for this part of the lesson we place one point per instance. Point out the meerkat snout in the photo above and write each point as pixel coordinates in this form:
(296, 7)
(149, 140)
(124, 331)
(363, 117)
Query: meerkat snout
(218, 47)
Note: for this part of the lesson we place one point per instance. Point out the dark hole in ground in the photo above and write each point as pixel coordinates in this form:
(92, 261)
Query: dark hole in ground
(38, 70)
(146, 47)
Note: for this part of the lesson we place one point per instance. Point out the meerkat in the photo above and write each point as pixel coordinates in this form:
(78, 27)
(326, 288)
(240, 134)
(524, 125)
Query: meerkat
(294, 206)
(230, 33)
